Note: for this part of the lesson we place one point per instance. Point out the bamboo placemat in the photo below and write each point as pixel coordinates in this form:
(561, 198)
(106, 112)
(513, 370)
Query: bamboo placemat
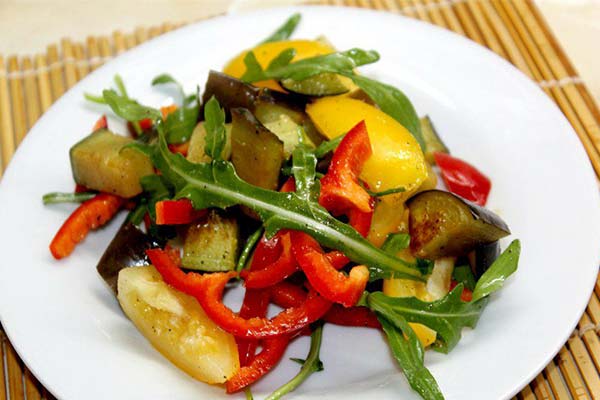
(514, 29)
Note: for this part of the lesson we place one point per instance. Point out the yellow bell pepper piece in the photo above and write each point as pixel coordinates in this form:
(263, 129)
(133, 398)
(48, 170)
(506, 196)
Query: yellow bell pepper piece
(425, 334)
(397, 159)
(266, 52)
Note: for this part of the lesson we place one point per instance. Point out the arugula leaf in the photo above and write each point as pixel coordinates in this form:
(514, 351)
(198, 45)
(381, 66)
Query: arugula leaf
(248, 247)
(136, 215)
(120, 85)
(408, 352)
(216, 184)
(328, 145)
(395, 242)
(304, 169)
(425, 266)
(494, 278)
(129, 109)
(392, 102)
(447, 316)
(463, 274)
(58, 197)
(94, 99)
(164, 79)
(180, 124)
(312, 364)
(319, 367)
(214, 123)
(155, 189)
(282, 59)
(340, 62)
(285, 30)
(386, 192)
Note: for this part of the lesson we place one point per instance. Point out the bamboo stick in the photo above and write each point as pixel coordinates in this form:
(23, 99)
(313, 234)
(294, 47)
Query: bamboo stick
(17, 101)
(464, 16)
(105, 50)
(571, 375)
(586, 366)
(154, 32)
(119, 42)
(504, 37)
(6, 124)
(435, 16)
(167, 27)
(81, 64)
(68, 57)
(130, 41)
(141, 35)
(44, 88)
(534, 23)
(527, 394)
(2, 370)
(32, 386)
(491, 40)
(452, 20)
(56, 76)
(556, 381)
(93, 52)
(391, 5)
(31, 94)
(420, 11)
(541, 388)
(15, 373)
(362, 3)
(379, 5)
(593, 309)
(406, 8)
(590, 338)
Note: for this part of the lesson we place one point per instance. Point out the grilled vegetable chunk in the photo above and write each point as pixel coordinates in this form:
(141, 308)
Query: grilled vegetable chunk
(442, 224)
(433, 142)
(212, 245)
(99, 162)
(256, 152)
(196, 152)
(176, 325)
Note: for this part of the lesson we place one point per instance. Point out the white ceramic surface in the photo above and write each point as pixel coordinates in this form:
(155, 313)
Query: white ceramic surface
(69, 330)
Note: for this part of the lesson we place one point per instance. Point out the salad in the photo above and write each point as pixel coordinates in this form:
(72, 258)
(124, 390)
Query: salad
(307, 185)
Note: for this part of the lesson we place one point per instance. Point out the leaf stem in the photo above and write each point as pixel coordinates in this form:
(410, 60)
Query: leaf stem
(310, 365)
(248, 247)
(58, 197)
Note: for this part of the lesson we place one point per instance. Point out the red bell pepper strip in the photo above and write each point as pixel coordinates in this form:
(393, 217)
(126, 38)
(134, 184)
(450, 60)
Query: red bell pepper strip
(208, 290)
(340, 190)
(287, 295)
(463, 179)
(80, 188)
(90, 215)
(352, 316)
(275, 272)
(256, 302)
(466, 295)
(325, 279)
(269, 356)
(181, 148)
(145, 124)
(100, 124)
(177, 212)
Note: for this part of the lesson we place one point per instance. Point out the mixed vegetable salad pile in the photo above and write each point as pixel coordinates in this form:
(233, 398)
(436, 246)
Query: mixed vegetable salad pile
(311, 186)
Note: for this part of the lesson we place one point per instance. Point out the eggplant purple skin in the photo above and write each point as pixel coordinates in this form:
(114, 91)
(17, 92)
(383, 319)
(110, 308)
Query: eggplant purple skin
(127, 249)
(483, 257)
(442, 224)
(233, 93)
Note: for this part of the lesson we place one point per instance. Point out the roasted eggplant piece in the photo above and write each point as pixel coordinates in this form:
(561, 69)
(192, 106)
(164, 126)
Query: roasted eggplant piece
(256, 152)
(483, 257)
(127, 249)
(442, 224)
(212, 244)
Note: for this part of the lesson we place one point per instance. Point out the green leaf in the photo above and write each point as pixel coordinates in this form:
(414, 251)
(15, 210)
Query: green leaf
(248, 247)
(94, 98)
(180, 124)
(155, 189)
(504, 266)
(304, 169)
(312, 364)
(129, 109)
(393, 102)
(121, 86)
(408, 352)
(216, 184)
(318, 367)
(425, 266)
(341, 62)
(58, 197)
(386, 192)
(283, 59)
(395, 242)
(214, 123)
(137, 215)
(463, 274)
(447, 316)
(328, 145)
(285, 30)
(164, 79)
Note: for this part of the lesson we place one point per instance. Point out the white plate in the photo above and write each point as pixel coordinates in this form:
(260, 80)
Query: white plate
(69, 330)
